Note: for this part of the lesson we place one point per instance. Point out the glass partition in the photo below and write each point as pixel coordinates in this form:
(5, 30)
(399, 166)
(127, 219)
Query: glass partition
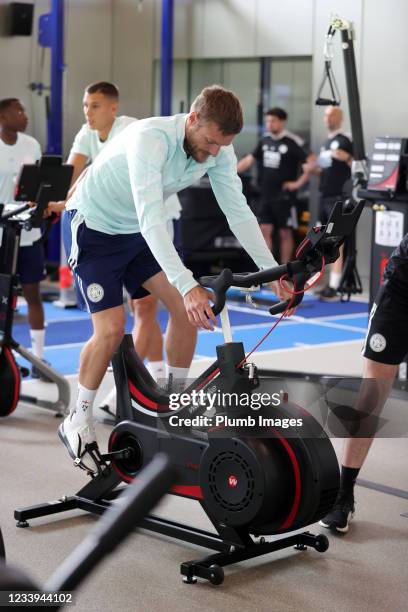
(287, 84)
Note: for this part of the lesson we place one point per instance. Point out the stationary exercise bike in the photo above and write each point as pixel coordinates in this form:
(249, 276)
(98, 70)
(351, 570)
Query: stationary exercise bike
(48, 180)
(250, 481)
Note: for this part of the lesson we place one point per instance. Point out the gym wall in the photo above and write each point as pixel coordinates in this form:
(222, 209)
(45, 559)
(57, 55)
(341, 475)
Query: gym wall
(104, 40)
(285, 28)
(19, 59)
(277, 28)
(108, 40)
(112, 39)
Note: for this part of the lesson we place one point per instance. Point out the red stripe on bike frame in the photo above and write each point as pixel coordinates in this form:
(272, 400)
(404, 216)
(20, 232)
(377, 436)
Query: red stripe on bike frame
(193, 491)
(188, 491)
(296, 470)
(145, 401)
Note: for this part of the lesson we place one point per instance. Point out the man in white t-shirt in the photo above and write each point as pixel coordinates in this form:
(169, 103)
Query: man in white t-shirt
(100, 104)
(16, 149)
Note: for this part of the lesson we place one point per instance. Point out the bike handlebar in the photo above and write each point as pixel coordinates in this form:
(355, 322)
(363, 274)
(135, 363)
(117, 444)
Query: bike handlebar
(321, 245)
(34, 218)
(296, 271)
(4, 216)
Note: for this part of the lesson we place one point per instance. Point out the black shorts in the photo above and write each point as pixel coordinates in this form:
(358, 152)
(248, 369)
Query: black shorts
(387, 335)
(326, 204)
(281, 212)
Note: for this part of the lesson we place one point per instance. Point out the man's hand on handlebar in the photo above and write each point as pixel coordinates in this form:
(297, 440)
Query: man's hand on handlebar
(56, 207)
(53, 207)
(282, 294)
(199, 309)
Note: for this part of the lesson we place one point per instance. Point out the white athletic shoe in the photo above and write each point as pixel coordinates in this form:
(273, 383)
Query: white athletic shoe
(80, 441)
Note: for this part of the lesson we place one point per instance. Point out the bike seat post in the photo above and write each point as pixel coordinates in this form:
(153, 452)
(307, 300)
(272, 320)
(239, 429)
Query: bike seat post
(226, 325)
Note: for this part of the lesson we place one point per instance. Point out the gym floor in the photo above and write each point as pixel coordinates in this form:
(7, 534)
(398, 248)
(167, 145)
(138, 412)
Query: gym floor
(38, 469)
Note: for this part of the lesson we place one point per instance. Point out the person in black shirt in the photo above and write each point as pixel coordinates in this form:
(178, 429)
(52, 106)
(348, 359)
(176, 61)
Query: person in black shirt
(385, 347)
(280, 154)
(334, 166)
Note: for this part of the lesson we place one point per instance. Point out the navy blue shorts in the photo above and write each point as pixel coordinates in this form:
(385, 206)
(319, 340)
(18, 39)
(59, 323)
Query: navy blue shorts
(31, 263)
(106, 263)
(67, 215)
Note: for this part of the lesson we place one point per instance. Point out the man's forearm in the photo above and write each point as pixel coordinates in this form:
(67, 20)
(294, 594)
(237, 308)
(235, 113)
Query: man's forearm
(342, 155)
(303, 179)
(245, 163)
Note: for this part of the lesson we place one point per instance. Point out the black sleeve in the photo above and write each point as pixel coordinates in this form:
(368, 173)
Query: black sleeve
(299, 152)
(257, 152)
(398, 258)
(345, 144)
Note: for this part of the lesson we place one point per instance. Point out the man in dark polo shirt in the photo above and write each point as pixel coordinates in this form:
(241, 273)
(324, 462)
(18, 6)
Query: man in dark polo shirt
(280, 154)
(334, 166)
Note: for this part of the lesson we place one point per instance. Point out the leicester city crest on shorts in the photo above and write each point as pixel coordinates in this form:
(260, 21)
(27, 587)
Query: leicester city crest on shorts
(95, 292)
(377, 343)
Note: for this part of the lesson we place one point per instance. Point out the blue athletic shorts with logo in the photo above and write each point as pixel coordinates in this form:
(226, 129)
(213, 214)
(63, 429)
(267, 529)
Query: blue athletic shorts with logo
(105, 263)
(31, 263)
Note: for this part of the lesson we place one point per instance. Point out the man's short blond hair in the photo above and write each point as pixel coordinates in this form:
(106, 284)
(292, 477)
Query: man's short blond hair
(220, 106)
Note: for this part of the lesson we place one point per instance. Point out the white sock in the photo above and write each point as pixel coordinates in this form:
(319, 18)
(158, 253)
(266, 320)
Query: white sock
(177, 378)
(157, 369)
(37, 342)
(82, 411)
(335, 278)
(110, 400)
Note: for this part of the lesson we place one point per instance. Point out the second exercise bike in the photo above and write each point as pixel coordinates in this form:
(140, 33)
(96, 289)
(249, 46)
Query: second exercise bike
(42, 182)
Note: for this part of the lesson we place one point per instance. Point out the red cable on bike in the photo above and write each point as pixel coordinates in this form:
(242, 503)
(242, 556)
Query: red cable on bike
(289, 306)
(301, 247)
(284, 313)
(213, 374)
(267, 334)
(292, 293)
(285, 288)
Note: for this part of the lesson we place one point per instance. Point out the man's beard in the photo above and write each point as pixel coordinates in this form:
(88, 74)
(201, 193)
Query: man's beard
(194, 151)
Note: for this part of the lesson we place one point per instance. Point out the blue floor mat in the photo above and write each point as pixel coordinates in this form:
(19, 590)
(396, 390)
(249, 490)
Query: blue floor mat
(286, 335)
(361, 321)
(61, 332)
(67, 330)
(282, 337)
(311, 306)
(68, 326)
